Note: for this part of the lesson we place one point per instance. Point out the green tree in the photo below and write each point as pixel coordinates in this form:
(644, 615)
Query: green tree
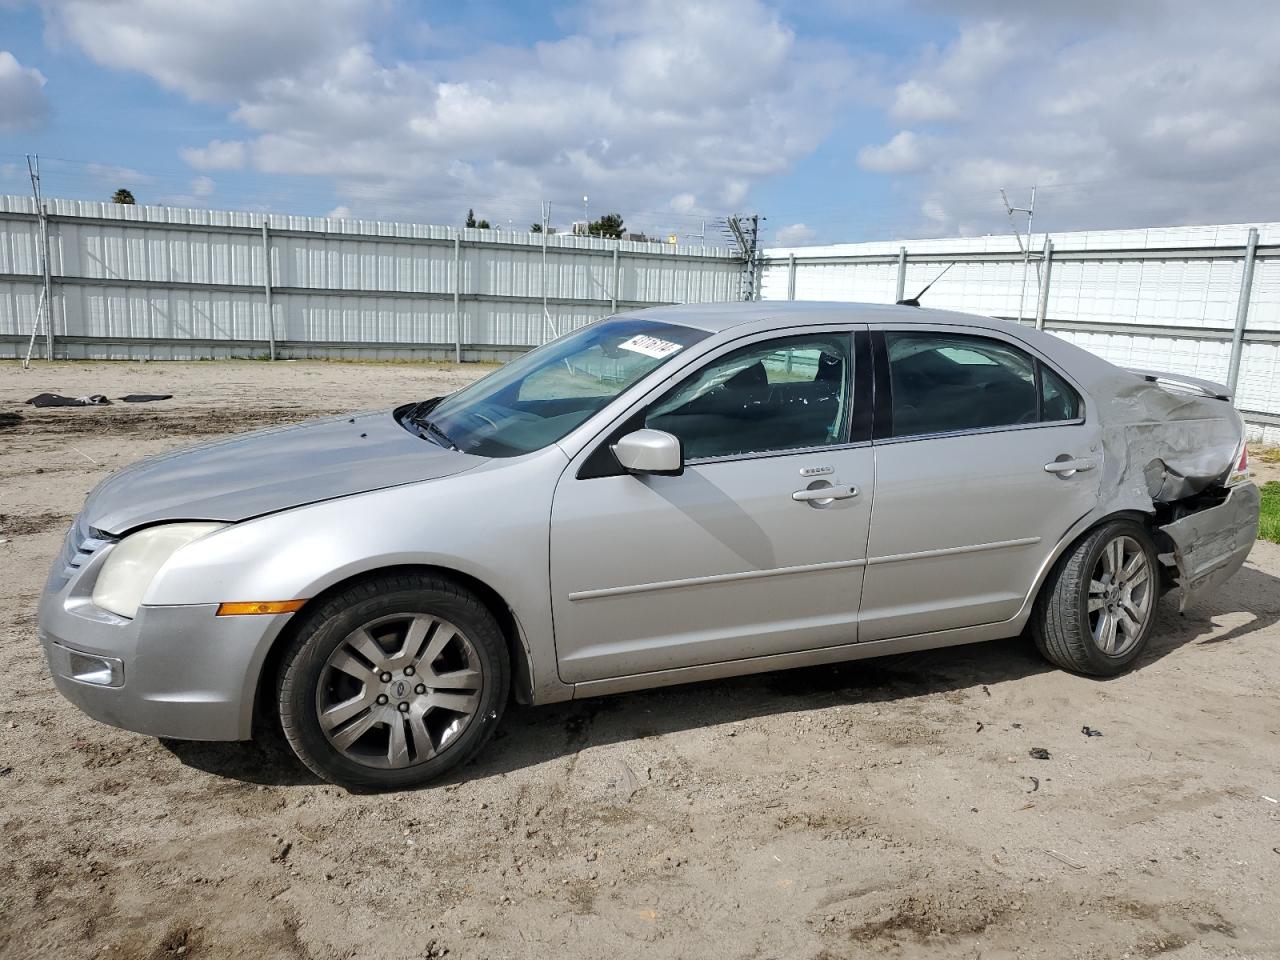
(609, 225)
(482, 225)
(535, 228)
(471, 218)
(123, 196)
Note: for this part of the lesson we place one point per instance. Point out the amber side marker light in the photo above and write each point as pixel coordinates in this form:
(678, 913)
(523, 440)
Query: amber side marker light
(259, 606)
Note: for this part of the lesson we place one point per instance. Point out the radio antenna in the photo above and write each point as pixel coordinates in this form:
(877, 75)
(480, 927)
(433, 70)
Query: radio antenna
(915, 301)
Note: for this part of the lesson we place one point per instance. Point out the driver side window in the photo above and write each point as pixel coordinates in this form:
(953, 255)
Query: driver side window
(777, 395)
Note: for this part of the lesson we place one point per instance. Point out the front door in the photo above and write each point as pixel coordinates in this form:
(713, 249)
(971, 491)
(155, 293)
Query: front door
(740, 556)
(973, 481)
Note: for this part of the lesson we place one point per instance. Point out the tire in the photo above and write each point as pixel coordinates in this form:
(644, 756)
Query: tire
(1068, 622)
(449, 677)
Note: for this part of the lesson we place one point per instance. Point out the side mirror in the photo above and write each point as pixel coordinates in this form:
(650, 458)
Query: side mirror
(650, 451)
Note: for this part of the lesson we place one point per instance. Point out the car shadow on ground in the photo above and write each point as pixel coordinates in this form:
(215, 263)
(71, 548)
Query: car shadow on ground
(266, 761)
(533, 735)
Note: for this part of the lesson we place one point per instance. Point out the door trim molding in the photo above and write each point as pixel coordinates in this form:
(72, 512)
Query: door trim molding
(952, 551)
(787, 571)
(714, 578)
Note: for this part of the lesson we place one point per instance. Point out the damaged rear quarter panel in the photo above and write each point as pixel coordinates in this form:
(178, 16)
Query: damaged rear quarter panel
(1163, 446)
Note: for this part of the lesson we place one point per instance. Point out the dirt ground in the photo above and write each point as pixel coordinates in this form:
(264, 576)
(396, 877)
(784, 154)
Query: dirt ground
(880, 808)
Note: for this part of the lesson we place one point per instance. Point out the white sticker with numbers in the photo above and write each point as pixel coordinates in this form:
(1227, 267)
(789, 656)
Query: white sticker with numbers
(650, 346)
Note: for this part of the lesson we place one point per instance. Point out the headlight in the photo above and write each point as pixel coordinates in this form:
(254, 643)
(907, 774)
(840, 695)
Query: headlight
(135, 561)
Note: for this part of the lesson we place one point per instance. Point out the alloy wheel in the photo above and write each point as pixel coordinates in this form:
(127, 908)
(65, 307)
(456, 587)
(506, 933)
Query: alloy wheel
(1121, 596)
(399, 690)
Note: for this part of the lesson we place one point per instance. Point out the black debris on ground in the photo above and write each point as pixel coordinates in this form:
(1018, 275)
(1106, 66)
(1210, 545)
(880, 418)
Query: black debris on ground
(57, 400)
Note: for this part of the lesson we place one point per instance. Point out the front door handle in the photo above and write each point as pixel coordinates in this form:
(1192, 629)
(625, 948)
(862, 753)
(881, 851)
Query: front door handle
(1067, 467)
(842, 491)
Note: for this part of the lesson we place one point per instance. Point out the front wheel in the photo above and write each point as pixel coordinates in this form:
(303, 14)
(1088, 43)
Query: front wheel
(1098, 609)
(393, 682)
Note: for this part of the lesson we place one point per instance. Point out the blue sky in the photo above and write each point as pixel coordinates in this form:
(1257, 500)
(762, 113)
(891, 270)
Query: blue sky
(836, 119)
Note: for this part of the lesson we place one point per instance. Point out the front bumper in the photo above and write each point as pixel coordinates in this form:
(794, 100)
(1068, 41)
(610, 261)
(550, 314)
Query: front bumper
(173, 671)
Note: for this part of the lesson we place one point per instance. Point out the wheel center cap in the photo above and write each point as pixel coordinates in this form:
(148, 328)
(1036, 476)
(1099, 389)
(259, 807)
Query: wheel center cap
(400, 689)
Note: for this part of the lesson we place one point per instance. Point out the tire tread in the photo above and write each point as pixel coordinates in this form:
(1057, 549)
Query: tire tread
(1060, 633)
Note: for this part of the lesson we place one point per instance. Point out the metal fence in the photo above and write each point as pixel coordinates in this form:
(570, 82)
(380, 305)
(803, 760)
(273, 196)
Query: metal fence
(163, 283)
(1196, 300)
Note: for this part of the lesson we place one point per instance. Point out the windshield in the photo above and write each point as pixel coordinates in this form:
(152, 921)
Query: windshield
(539, 398)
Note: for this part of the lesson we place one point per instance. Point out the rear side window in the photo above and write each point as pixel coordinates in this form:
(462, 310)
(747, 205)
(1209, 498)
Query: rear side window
(948, 383)
(1059, 401)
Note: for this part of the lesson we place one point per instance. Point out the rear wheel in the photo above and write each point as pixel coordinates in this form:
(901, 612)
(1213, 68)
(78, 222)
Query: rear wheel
(1098, 609)
(393, 682)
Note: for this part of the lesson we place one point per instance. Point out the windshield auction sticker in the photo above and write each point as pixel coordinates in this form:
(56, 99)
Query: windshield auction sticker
(650, 346)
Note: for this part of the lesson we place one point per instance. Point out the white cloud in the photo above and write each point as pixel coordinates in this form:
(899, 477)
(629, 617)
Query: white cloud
(934, 210)
(796, 235)
(118, 176)
(945, 79)
(1123, 115)
(215, 155)
(904, 153)
(23, 104)
(919, 101)
(684, 203)
(340, 212)
(641, 104)
(198, 193)
(212, 49)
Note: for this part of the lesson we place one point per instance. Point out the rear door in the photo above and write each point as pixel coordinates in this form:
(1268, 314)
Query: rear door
(985, 457)
(744, 554)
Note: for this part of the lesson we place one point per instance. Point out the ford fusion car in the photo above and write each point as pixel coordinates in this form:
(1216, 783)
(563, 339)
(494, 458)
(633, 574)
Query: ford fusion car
(676, 494)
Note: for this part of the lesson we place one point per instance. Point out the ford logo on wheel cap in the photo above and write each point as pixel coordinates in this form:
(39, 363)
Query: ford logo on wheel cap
(400, 688)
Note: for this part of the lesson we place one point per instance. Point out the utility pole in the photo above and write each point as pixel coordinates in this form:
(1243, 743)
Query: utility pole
(546, 228)
(1024, 248)
(46, 293)
(745, 232)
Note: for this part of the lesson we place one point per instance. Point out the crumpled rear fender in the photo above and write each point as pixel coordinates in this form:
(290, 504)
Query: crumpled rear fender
(1211, 544)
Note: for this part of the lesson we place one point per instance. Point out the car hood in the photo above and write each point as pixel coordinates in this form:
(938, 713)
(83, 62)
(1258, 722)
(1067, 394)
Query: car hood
(269, 470)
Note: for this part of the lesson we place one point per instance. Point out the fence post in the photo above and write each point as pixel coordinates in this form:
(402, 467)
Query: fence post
(791, 276)
(902, 274)
(616, 277)
(43, 211)
(1242, 310)
(266, 288)
(1042, 303)
(457, 290)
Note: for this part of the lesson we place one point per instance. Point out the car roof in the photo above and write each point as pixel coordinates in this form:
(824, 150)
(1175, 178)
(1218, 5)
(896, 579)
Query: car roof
(717, 317)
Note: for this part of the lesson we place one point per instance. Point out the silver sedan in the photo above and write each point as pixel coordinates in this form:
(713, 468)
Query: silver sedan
(671, 495)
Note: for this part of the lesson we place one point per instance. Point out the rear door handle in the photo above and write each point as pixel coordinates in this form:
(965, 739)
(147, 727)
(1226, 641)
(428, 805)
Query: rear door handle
(841, 491)
(1067, 467)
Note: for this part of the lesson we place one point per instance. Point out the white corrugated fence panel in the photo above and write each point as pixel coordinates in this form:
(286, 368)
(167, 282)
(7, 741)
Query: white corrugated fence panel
(1176, 297)
(169, 274)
